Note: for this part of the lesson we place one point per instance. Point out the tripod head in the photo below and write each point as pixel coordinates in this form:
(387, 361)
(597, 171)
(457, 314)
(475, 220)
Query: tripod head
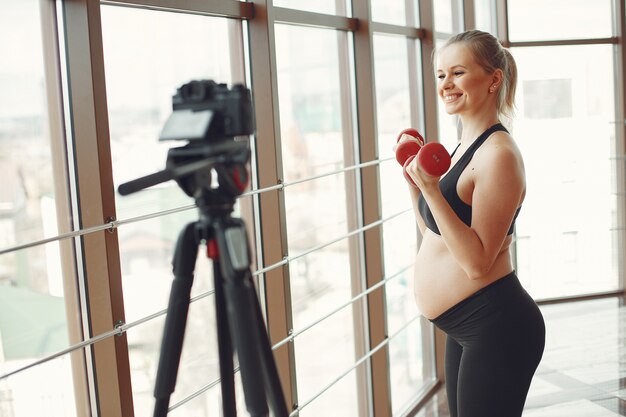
(210, 117)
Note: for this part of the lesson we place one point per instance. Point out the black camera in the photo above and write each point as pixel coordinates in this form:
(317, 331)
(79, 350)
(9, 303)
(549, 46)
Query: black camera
(207, 115)
(205, 111)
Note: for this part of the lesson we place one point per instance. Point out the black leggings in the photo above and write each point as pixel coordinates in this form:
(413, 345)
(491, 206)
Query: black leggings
(495, 342)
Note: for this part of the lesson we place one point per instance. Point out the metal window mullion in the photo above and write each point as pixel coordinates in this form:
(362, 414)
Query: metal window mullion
(272, 228)
(431, 124)
(564, 42)
(221, 8)
(54, 99)
(99, 264)
(354, 219)
(619, 10)
(371, 206)
(239, 75)
(365, 403)
(502, 22)
(410, 31)
(469, 14)
(305, 18)
(436, 342)
(417, 76)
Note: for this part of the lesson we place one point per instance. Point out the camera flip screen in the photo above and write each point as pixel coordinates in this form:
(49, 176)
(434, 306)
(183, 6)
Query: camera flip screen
(187, 125)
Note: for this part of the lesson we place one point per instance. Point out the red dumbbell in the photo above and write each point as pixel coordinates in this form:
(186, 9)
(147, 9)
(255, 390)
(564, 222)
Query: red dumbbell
(432, 157)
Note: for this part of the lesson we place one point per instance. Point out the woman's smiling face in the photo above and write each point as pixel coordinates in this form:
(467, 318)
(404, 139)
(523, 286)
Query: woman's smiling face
(463, 85)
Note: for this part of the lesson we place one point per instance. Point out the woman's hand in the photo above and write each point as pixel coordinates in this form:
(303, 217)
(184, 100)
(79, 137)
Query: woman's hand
(426, 183)
(405, 137)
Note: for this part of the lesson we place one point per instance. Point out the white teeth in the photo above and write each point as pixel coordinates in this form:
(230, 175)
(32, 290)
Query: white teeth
(450, 97)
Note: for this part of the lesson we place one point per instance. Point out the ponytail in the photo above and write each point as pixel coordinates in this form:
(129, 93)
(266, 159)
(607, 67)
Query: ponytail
(506, 97)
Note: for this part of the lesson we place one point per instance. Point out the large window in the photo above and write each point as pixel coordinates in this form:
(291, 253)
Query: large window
(310, 83)
(317, 6)
(165, 54)
(85, 274)
(569, 228)
(566, 235)
(36, 282)
(533, 20)
(397, 12)
(409, 367)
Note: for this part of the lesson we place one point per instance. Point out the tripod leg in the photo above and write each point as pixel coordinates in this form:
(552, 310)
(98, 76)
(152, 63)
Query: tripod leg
(225, 347)
(242, 328)
(176, 319)
(258, 369)
(275, 394)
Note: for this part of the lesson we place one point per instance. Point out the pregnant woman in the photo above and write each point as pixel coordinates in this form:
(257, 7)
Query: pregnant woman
(464, 278)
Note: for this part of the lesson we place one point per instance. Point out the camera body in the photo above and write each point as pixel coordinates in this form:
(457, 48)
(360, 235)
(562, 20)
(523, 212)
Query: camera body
(205, 111)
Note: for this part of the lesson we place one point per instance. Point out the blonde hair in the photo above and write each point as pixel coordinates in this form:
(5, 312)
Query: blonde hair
(491, 55)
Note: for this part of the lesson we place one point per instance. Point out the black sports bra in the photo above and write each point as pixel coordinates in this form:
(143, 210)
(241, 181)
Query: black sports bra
(449, 182)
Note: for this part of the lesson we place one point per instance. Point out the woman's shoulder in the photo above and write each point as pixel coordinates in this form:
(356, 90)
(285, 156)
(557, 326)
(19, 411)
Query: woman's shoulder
(500, 150)
(500, 144)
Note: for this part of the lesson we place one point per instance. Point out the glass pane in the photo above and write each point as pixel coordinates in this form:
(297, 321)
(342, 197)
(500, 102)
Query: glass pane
(448, 16)
(336, 7)
(391, 62)
(25, 147)
(34, 320)
(447, 22)
(531, 20)
(146, 264)
(565, 130)
(165, 55)
(139, 96)
(309, 86)
(448, 125)
(320, 283)
(199, 365)
(32, 392)
(485, 15)
(395, 12)
(407, 364)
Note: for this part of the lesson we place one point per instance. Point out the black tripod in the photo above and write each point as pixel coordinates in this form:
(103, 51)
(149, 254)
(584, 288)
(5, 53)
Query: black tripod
(240, 327)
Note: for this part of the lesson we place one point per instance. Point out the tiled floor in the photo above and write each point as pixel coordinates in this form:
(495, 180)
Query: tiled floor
(583, 370)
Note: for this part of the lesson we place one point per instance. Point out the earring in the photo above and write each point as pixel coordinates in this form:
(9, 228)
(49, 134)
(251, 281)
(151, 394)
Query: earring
(492, 89)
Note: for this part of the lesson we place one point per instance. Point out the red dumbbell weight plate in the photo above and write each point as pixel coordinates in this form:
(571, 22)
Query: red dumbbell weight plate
(405, 150)
(434, 159)
(413, 133)
(408, 148)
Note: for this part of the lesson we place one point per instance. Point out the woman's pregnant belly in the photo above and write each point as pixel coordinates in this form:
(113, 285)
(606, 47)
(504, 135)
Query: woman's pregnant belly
(440, 282)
